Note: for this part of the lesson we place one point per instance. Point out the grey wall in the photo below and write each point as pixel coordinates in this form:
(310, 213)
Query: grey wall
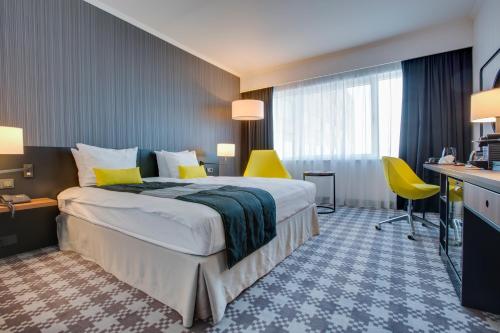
(70, 72)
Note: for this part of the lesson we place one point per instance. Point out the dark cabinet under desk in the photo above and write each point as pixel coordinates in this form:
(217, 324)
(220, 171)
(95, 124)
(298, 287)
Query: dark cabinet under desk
(469, 234)
(481, 270)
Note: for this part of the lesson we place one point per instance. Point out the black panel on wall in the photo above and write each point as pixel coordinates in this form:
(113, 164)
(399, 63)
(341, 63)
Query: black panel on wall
(70, 72)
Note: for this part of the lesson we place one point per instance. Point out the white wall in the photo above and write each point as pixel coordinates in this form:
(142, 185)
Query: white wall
(445, 37)
(486, 42)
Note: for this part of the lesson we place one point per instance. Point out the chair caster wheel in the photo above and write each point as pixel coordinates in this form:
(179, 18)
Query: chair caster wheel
(424, 225)
(378, 227)
(410, 237)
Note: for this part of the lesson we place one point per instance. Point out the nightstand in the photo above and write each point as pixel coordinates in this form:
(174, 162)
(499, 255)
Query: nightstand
(33, 227)
(212, 169)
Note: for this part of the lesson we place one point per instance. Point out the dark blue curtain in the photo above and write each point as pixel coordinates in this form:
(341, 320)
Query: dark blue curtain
(436, 110)
(257, 134)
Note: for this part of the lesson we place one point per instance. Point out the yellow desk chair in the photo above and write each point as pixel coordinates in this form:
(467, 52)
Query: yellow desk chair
(265, 163)
(405, 183)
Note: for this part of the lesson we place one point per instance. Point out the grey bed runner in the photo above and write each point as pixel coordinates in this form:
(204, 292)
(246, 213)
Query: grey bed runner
(248, 214)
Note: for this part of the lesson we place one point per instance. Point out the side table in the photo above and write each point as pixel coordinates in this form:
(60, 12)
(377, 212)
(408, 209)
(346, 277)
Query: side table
(324, 209)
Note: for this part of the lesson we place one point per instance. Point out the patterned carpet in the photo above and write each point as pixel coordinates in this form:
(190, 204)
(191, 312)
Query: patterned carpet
(351, 278)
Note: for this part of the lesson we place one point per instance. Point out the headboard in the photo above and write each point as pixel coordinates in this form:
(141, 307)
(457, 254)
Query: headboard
(55, 170)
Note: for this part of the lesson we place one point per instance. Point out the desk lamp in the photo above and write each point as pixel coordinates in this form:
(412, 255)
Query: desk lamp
(485, 107)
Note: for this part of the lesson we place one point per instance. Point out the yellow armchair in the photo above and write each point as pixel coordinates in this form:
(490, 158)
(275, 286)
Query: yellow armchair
(404, 182)
(265, 163)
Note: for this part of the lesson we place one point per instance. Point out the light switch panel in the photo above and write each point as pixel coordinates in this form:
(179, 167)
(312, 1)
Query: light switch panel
(28, 170)
(6, 183)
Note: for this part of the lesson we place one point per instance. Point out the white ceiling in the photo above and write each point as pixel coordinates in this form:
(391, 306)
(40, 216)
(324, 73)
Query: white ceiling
(244, 36)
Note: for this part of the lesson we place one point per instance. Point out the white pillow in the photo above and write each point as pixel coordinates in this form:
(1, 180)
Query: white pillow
(89, 157)
(79, 164)
(161, 161)
(169, 162)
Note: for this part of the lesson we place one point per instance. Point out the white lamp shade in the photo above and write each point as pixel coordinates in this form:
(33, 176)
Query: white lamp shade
(248, 109)
(11, 140)
(225, 149)
(485, 106)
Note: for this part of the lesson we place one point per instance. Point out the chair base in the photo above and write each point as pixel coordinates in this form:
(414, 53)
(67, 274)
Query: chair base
(410, 217)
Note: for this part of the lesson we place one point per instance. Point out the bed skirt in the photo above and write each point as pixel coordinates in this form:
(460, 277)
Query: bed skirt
(194, 286)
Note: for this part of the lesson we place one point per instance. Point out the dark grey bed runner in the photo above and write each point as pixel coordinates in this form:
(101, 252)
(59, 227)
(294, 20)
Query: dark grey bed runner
(248, 214)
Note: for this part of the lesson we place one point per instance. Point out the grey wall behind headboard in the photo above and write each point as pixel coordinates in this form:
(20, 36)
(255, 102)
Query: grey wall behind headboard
(70, 72)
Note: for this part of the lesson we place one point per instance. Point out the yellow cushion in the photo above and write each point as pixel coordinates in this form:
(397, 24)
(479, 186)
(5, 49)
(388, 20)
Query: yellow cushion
(106, 177)
(265, 163)
(186, 172)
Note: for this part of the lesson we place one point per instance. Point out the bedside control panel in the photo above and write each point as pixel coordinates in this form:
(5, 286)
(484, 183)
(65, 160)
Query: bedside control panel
(6, 183)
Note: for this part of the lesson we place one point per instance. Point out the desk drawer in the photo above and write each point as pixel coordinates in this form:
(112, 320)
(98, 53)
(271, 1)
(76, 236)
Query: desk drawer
(482, 201)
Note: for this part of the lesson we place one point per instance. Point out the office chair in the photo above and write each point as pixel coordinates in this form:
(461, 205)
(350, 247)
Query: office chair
(404, 182)
(265, 163)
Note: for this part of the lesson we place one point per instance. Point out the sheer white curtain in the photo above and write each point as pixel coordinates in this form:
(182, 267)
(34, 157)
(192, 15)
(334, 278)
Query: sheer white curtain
(344, 123)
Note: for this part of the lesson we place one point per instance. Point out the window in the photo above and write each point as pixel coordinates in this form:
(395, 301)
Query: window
(354, 115)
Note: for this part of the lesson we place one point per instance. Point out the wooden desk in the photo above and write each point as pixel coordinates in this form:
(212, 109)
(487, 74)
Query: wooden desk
(469, 233)
(483, 178)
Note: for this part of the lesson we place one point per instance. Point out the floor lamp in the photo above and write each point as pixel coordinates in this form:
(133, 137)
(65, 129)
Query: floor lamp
(248, 110)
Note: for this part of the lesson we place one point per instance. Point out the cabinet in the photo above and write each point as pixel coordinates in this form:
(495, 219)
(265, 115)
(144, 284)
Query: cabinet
(33, 227)
(469, 233)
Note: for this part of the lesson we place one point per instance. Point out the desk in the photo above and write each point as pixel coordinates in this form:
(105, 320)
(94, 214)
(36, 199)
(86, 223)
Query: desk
(469, 233)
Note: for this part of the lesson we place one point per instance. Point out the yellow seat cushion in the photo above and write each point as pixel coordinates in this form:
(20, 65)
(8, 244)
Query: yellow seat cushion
(106, 177)
(186, 172)
(427, 190)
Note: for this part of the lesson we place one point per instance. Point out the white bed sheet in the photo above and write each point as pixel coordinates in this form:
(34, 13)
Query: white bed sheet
(181, 226)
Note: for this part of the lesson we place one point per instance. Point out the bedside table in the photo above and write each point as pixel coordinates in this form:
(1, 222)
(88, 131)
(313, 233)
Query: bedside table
(33, 227)
(212, 169)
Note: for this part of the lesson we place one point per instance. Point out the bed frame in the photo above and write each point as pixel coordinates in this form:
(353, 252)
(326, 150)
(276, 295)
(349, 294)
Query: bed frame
(195, 286)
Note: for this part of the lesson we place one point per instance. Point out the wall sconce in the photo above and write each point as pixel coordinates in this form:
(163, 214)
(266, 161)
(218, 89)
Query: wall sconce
(11, 143)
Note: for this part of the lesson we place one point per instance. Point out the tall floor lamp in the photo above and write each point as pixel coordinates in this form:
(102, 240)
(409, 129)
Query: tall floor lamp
(248, 110)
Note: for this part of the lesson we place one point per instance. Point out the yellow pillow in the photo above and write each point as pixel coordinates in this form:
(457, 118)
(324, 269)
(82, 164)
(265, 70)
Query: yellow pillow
(196, 171)
(106, 177)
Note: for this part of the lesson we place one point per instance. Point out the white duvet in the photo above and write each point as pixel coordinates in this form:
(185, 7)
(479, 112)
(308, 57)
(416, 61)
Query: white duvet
(181, 226)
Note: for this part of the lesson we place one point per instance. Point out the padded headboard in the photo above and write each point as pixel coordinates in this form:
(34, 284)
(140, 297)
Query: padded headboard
(55, 170)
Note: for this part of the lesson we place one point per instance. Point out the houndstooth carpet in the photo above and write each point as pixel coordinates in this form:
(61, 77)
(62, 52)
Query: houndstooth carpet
(351, 278)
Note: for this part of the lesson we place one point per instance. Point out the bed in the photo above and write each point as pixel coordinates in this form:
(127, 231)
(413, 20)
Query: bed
(174, 250)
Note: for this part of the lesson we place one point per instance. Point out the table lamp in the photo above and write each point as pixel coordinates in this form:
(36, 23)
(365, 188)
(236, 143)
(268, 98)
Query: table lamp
(247, 109)
(485, 107)
(11, 143)
(225, 150)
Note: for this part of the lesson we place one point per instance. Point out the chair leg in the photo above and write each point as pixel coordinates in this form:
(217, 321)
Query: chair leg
(425, 223)
(394, 219)
(410, 220)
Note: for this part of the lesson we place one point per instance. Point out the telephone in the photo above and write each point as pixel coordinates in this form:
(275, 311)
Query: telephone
(10, 200)
(14, 198)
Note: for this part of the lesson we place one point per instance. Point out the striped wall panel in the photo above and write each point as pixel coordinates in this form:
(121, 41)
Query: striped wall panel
(70, 72)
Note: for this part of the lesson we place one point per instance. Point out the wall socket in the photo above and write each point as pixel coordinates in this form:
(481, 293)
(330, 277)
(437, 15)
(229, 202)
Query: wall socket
(6, 183)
